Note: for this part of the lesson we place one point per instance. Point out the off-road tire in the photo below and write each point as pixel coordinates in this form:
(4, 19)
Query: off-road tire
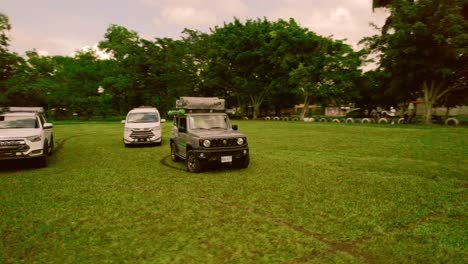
(51, 146)
(43, 161)
(366, 120)
(383, 120)
(193, 163)
(243, 163)
(174, 156)
(452, 121)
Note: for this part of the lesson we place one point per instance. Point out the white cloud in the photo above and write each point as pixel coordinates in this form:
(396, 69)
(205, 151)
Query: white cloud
(43, 53)
(338, 18)
(188, 16)
(196, 14)
(100, 53)
(340, 15)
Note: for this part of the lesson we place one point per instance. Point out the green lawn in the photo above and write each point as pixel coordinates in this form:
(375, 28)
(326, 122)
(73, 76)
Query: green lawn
(313, 193)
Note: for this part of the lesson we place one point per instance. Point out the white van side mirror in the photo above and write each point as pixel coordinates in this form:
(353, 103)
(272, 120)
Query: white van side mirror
(163, 120)
(123, 121)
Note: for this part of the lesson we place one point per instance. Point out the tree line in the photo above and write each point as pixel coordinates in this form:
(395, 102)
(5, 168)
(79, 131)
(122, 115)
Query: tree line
(257, 65)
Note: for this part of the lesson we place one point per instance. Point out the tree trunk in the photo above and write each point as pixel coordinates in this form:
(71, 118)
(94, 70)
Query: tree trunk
(432, 93)
(428, 102)
(428, 112)
(305, 108)
(256, 110)
(256, 102)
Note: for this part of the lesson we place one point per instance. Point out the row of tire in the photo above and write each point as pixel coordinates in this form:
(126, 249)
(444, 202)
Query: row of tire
(452, 121)
(283, 118)
(382, 120)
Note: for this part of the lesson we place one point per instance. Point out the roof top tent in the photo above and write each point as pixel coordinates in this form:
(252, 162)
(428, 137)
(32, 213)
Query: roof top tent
(22, 109)
(201, 103)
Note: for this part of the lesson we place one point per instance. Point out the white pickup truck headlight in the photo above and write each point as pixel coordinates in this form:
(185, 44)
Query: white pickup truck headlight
(34, 138)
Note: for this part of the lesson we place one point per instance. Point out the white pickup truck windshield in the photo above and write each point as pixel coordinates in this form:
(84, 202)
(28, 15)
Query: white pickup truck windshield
(18, 122)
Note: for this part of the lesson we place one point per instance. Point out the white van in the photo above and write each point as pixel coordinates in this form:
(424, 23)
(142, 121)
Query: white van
(142, 126)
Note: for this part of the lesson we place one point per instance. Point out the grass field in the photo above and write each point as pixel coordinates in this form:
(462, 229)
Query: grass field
(313, 193)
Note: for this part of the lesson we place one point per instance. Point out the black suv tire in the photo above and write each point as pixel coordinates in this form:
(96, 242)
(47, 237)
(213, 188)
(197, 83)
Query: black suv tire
(174, 156)
(243, 162)
(192, 163)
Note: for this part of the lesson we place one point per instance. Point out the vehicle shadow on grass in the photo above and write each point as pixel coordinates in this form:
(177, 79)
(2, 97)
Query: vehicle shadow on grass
(210, 167)
(143, 146)
(15, 165)
(18, 165)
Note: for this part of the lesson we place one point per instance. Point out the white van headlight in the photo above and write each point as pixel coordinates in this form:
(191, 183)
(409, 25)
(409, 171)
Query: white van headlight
(34, 138)
(157, 128)
(127, 129)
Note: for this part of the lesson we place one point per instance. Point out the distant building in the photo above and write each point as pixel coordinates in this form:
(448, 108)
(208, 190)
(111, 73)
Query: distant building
(440, 111)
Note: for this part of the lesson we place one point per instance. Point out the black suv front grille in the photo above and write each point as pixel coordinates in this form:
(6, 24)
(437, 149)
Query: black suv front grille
(137, 134)
(224, 142)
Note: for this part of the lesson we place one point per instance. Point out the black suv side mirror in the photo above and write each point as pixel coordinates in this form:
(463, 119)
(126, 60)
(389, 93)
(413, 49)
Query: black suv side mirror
(234, 127)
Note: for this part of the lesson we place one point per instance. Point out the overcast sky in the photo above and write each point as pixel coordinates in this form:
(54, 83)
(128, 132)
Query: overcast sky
(60, 27)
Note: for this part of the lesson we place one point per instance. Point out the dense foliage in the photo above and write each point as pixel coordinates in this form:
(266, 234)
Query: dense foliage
(423, 49)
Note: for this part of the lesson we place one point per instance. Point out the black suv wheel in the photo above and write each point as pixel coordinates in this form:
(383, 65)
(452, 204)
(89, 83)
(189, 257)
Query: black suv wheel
(192, 163)
(174, 156)
(243, 162)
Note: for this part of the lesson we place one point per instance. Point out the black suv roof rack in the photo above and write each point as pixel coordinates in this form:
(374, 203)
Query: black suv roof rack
(201, 103)
(145, 106)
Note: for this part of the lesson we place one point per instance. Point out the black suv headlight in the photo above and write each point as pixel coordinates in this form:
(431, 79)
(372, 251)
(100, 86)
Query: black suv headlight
(240, 141)
(206, 143)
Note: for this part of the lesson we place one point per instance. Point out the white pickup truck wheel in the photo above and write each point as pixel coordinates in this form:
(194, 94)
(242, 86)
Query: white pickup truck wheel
(43, 161)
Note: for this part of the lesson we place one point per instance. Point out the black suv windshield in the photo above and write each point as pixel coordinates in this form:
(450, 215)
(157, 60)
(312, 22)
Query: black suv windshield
(18, 122)
(143, 117)
(208, 122)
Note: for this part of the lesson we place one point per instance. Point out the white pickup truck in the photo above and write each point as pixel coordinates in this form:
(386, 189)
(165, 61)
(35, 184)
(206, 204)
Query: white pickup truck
(25, 134)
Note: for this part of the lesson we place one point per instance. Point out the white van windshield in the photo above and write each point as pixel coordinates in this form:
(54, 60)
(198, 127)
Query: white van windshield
(143, 117)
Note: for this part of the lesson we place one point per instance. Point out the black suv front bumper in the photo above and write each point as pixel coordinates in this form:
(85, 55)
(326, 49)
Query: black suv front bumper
(221, 154)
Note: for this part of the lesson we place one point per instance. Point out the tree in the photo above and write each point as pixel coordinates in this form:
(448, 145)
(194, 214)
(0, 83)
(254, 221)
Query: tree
(424, 49)
(8, 61)
(250, 60)
(327, 74)
(32, 81)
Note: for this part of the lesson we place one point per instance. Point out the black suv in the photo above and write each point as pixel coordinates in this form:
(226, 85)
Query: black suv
(202, 134)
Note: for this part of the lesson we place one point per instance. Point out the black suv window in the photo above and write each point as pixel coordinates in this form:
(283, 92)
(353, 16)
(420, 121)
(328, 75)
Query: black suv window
(183, 123)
